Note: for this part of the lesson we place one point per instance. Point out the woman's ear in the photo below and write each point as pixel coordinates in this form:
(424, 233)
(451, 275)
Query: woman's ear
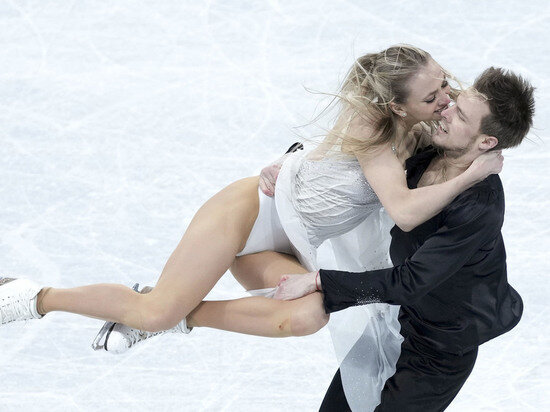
(398, 110)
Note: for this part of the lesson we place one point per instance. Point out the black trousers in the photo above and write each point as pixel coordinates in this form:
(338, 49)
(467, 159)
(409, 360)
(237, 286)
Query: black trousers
(425, 380)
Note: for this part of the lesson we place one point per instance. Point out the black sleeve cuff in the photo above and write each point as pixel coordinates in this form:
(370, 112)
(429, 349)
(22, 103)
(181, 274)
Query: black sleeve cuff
(344, 289)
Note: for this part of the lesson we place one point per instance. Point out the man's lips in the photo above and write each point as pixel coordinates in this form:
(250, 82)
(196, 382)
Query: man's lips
(443, 128)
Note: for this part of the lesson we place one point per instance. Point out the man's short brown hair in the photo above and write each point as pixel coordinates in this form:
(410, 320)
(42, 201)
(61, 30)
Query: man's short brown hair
(512, 106)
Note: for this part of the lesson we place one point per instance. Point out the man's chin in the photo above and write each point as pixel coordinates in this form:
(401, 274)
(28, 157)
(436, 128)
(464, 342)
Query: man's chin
(437, 142)
(442, 145)
(439, 147)
(450, 152)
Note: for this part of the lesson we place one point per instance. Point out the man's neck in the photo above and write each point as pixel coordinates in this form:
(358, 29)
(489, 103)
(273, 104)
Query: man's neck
(443, 168)
(455, 166)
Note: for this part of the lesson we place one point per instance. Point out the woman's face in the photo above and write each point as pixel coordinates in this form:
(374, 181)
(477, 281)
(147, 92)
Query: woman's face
(428, 94)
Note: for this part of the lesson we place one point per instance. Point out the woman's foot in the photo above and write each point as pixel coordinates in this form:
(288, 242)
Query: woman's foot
(18, 299)
(119, 338)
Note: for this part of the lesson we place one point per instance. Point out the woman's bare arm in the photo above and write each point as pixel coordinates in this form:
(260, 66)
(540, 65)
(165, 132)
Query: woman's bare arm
(410, 207)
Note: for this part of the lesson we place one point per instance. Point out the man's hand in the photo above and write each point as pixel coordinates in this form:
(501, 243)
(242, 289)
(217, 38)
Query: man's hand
(269, 174)
(295, 286)
(268, 177)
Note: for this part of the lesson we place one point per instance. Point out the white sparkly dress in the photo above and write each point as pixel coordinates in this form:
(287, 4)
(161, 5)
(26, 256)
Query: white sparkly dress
(333, 219)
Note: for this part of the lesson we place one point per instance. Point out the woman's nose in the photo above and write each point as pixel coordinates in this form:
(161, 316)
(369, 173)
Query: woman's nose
(444, 100)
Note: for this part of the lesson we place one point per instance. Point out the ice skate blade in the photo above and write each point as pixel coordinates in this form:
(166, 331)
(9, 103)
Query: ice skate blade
(99, 341)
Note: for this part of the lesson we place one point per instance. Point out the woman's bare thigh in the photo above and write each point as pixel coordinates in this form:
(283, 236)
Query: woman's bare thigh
(218, 231)
(264, 269)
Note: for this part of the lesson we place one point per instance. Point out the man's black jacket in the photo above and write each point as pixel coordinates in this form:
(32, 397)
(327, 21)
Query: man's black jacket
(450, 274)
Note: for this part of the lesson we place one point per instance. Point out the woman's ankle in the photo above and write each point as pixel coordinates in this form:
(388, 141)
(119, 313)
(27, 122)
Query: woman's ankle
(40, 300)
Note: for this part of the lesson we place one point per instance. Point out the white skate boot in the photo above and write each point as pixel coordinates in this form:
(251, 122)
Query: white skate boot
(18, 300)
(118, 338)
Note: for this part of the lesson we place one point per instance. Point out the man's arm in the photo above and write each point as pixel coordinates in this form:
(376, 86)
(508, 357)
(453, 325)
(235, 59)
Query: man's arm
(468, 225)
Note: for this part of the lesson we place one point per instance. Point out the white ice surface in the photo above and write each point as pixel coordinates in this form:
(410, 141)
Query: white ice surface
(119, 119)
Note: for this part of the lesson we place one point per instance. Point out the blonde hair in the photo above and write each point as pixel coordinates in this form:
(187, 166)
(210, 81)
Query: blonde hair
(374, 81)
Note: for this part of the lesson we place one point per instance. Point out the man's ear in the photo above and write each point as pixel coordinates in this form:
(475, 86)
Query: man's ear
(487, 142)
(398, 110)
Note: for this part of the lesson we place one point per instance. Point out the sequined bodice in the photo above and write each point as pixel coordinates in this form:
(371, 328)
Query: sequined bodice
(332, 197)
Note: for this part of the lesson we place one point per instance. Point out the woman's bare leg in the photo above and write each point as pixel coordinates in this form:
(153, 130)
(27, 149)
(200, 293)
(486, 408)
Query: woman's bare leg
(260, 315)
(264, 270)
(216, 234)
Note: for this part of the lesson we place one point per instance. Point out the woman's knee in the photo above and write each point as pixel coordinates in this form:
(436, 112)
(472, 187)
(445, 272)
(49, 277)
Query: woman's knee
(159, 317)
(308, 318)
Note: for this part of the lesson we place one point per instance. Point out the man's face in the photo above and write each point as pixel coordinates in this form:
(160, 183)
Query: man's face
(460, 124)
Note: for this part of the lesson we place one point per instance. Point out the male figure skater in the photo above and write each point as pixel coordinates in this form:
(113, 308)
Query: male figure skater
(450, 274)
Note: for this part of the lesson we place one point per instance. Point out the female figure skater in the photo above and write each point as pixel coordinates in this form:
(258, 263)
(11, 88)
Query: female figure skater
(349, 176)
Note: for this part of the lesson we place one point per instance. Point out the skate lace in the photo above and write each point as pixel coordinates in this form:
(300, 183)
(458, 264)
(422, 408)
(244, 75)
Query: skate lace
(14, 310)
(181, 327)
(135, 335)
